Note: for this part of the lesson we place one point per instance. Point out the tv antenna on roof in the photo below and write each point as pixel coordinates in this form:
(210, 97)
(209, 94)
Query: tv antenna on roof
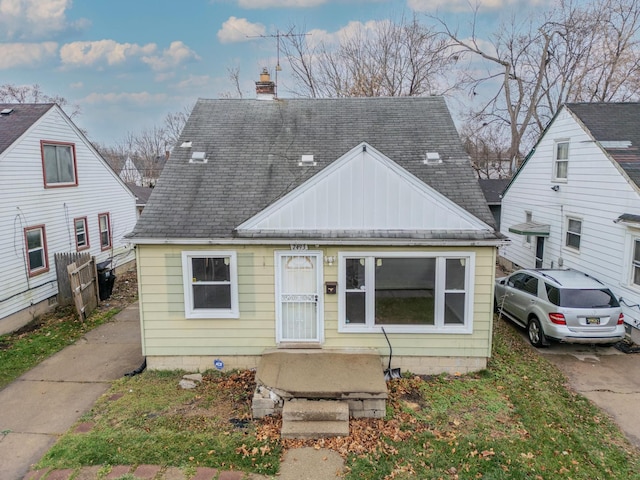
(277, 36)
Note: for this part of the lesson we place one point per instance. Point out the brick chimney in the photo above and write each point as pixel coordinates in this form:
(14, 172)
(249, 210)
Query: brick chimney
(265, 88)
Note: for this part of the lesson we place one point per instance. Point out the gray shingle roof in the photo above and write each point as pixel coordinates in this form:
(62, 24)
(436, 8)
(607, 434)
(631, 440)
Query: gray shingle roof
(254, 146)
(493, 188)
(614, 122)
(23, 116)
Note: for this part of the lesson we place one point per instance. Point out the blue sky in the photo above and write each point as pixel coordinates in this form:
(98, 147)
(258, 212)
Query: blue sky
(127, 63)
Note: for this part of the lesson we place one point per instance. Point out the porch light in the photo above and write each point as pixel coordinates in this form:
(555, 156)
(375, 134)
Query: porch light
(329, 260)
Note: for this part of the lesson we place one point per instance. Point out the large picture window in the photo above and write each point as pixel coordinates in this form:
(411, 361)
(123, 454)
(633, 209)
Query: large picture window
(59, 164)
(210, 284)
(36, 246)
(405, 292)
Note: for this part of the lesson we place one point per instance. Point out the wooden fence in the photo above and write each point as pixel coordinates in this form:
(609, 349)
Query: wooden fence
(84, 286)
(63, 260)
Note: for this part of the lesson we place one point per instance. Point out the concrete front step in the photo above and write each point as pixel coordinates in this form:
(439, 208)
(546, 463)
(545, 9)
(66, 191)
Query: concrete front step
(308, 419)
(312, 430)
(302, 410)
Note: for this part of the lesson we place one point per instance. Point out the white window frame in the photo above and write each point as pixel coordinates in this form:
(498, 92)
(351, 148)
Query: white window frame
(528, 217)
(56, 146)
(557, 160)
(187, 272)
(107, 230)
(42, 248)
(634, 264)
(439, 291)
(569, 232)
(85, 232)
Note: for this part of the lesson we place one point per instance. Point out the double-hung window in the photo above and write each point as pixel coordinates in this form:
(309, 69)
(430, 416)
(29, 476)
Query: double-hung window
(635, 263)
(210, 284)
(406, 292)
(59, 164)
(561, 161)
(574, 233)
(36, 247)
(104, 224)
(82, 235)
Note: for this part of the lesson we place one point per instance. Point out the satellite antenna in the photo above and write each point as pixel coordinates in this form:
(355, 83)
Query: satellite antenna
(277, 36)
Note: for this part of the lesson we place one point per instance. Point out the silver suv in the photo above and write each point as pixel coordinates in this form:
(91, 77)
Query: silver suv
(563, 305)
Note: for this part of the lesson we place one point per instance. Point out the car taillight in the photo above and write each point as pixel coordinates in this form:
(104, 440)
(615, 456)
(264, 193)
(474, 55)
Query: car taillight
(557, 318)
(621, 319)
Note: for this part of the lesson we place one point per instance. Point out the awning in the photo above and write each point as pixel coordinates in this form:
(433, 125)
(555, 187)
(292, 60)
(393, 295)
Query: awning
(531, 228)
(628, 219)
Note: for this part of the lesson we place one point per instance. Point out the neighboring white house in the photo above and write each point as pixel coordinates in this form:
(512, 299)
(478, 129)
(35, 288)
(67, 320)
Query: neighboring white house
(57, 194)
(575, 201)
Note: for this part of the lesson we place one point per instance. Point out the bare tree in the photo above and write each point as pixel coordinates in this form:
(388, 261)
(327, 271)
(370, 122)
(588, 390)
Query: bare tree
(487, 150)
(234, 77)
(388, 59)
(10, 93)
(174, 122)
(575, 52)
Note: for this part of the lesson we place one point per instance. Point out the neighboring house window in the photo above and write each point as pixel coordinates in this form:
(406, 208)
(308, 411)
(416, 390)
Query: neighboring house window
(636, 262)
(561, 161)
(405, 292)
(36, 243)
(59, 164)
(528, 217)
(82, 235)
(210, 284)
(574, 232)
(104, 223)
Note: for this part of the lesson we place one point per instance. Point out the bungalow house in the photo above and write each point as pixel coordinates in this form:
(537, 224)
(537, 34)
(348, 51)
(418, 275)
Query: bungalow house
(314, 223)
(57, 195)
(575, 201)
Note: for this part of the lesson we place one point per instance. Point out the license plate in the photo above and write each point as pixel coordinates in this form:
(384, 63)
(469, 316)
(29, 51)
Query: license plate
(593, 321)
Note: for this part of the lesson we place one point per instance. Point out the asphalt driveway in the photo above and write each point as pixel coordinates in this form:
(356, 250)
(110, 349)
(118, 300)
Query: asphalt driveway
(606, 376)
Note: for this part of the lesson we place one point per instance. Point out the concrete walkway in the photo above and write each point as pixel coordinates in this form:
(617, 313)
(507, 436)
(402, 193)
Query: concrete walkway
(48, 400)
(607, 377)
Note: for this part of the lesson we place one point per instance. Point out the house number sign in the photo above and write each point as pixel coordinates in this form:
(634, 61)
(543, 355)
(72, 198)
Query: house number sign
(299, 247)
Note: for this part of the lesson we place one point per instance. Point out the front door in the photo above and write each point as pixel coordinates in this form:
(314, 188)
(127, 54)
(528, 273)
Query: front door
(299, 297)
(539, 251)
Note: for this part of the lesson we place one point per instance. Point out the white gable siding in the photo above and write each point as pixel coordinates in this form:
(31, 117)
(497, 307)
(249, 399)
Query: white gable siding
(364, 191)
(596, 192)
(25, 202)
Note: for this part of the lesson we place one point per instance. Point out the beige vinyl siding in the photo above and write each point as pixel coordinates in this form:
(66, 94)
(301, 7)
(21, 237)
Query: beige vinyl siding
(166, 332)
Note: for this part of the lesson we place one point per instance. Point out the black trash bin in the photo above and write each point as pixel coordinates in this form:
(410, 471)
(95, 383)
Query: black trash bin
(106, 279)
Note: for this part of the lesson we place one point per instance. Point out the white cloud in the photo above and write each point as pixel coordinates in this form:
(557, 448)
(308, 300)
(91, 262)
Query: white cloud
(77, 85)
(194, 81)
(13, 55)
(110, 52)
(176, 54)
(35, 18)
(239, 29)
(136, 98)
(251, 4)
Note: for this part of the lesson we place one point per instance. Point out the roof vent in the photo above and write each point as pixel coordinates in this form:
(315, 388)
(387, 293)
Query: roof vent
(198, 157)
(6, 111)
(186, 144)
(432, 158)
(616, 144)
(307, 161)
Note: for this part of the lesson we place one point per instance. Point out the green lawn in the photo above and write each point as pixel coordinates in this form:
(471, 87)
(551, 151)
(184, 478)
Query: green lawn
(515, 420)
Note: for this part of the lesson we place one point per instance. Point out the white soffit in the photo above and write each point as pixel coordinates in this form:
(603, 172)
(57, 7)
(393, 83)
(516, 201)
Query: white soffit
(363, 190)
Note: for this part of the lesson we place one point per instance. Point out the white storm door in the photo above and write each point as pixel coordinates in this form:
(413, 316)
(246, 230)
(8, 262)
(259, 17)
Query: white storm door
(298, 296)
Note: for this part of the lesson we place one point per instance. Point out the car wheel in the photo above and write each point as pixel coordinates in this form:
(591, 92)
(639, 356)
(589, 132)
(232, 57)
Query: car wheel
(536, 335)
